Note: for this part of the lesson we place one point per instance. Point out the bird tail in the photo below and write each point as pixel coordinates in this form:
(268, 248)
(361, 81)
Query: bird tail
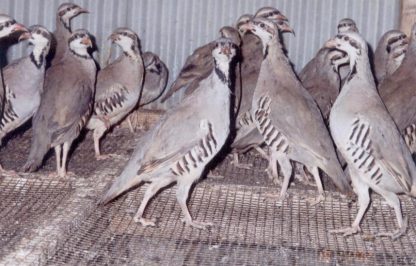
(38, 149)
(335, 172)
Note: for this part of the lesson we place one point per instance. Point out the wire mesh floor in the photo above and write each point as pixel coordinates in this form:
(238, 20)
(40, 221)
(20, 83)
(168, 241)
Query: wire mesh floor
(249, 228)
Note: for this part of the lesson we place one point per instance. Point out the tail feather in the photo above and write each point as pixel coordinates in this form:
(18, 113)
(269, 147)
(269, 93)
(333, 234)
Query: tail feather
(335, 172)
(38, 149)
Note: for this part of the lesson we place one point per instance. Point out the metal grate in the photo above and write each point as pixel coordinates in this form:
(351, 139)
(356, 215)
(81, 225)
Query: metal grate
(249, 229)
(24, 203)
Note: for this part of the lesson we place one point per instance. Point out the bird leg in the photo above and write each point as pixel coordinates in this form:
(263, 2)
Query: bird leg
(130, 125)
(315, 172)
(58, 150)
(262, 152)
(302, 176)
(182, 196)
(394, 202)
(152, 189)
(286, 167)
(363, 201)
(272, 171)
(97, 135)
(236, 162)
(62, 170)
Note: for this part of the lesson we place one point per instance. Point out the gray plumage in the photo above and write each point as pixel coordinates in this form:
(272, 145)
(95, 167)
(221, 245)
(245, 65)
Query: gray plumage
(23, 91)
(247, 135)
(66, 103)
(288, 118)
(387, 57)
(199, 65)
(367, 137)
(183, 142)
(118, 86)
(65, 13)
(399, 95)
(155, 78)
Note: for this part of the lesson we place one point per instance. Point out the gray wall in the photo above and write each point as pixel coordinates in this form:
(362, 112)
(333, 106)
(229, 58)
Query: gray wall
(174, 28)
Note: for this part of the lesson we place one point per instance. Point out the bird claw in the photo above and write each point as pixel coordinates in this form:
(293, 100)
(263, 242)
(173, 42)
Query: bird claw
(279, 202)
(315, 201)
(198, 225)
(397, 233)
(247, 166)
(145, 222)
(10, 173)
(108, 156)
(346, 231)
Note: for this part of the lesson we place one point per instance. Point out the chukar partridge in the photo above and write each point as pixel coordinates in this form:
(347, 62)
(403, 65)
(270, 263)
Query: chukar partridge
(65, 13)
(66, 104)
(367, 137)
(288, 118)
(389, 54)
(399, 95)
(23, 91)
(178, 148)
(118, 86)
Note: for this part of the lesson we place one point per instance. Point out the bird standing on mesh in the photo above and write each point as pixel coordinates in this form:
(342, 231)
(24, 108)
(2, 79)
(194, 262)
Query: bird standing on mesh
(367, 137)
(66, 104)
(118, 86)
(288, 118)
(178, 148)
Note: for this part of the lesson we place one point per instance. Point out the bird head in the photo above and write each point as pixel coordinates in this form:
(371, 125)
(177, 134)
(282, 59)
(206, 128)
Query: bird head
(263, 28)
(152, 63)
(79, 42)
(270, 13)
(37, 36)
(347, 24)
(231, 33)
(224, 51)
(242, 22)
(125, 38)
(394, 39)
(8, 26)
(67, 11)
(349, 42)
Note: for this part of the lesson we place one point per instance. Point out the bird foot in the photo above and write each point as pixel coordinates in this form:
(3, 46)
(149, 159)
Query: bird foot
(346, 231)
(274, 179)
(317, 200)
(305, 180)
(247, 166)
(62, 175)
(196, 224)
(281, 199)
(211, 174)
(145, 222)
(397, 233)
(108, 156)
(10, 173)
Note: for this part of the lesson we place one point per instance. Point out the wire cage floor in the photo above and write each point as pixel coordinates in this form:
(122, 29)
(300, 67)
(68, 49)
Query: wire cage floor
(49, 221)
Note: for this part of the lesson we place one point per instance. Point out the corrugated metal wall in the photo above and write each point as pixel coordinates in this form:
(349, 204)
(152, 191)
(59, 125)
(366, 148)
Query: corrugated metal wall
(174, 28)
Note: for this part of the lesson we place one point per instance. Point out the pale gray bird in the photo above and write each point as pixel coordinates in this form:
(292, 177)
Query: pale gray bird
(321, 79)
(66, 104)
(8, 26)
(367, 137)
(184, 141)
(65, 13)
(399, 95)
(23, 92)
(389, 53)
(155, 78)
(288, 118)
(199, 65)
(247, 136)
(118, 86)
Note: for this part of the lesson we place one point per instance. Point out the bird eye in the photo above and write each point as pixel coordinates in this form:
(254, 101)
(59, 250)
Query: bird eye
(262, 25)
(38, 32)
(346, 38)
(68, 9)
(270, 14)
(13, 22)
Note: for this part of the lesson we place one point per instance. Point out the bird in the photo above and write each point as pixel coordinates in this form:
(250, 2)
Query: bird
(66, 104)
(8, 26)
(118, 87)
(23, 92)
(247, 136)
(398, 94)
(199, 65)
(368, 138)
(389, 53)
(181, 144)
(65, 13)
(288, 118)
(155, 78)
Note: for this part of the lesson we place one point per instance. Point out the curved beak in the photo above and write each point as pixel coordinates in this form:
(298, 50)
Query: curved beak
(113, 37)
(19, 27)
(331, 43)
(247, 27)
(286, 28)
(226, 50)
(24, 36)
(83, 10)
(86, 41)
(282, 17)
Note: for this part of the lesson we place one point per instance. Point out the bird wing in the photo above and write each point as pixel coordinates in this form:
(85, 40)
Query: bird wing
(197, 67)
(111, 99)
(379, 143)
